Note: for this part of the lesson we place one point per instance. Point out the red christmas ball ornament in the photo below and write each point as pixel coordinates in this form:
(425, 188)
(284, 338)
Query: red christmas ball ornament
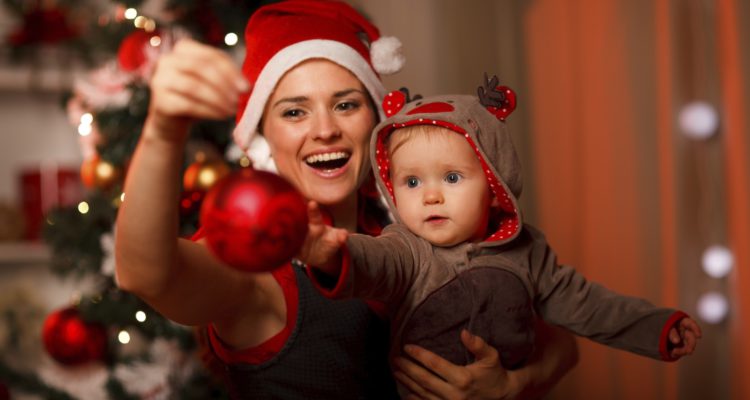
(132, 51)
(72, 341)
(254, 220)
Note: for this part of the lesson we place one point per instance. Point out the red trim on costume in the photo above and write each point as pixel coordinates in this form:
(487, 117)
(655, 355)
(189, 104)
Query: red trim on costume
(508, 223)
(664, 343)
(379, 308)
(267, 350)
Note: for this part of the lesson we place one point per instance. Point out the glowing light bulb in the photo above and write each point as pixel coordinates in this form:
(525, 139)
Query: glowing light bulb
(713, 307)
(717, 261)
(140, 21)
(698, 120)
(83, 207)
(231, 39)
(149, 25)
(140, 316)
(85, 129)
(131, 13)
(155, 41)
(87, 118)
(123, 337)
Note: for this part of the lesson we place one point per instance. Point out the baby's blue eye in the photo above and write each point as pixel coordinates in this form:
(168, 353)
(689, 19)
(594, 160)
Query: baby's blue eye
(453, 177)
(412, 182)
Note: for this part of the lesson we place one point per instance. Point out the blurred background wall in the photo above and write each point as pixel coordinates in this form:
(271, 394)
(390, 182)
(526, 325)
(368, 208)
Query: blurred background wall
(633, 129)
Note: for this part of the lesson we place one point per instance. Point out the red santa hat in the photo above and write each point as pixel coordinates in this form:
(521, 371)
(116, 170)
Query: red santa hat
(281, 35)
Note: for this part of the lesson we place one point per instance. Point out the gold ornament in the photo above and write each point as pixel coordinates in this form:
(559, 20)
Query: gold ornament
(98, 173)
(202, 174)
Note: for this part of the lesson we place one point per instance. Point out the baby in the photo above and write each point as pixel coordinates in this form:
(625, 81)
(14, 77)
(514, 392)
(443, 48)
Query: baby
(459, 257)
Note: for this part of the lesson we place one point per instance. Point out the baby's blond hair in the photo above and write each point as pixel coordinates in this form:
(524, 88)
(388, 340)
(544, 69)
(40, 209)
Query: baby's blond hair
(402, 135)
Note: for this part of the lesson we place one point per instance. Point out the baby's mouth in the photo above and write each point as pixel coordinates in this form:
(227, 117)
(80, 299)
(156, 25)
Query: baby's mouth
(328, 161)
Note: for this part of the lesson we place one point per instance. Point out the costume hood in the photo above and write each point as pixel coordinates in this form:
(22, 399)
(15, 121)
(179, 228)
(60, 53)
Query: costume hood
(481, 120)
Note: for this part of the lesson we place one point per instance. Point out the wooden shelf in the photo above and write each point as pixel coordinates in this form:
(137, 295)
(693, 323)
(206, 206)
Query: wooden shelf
(23, 253)
(51, 69)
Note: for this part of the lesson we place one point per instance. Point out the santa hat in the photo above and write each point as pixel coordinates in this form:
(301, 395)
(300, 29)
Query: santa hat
(281, 35)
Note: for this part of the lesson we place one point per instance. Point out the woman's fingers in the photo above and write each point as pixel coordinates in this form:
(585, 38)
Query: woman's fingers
(484, 354)
(215, 65)
(196, 80)
(419, 380)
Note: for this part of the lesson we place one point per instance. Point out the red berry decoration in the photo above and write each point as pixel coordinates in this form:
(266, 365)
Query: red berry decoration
(394, 102)
(254, 220)
(70, 340)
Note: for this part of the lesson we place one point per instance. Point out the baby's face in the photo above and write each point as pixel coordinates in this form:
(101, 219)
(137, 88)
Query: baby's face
(440, 189)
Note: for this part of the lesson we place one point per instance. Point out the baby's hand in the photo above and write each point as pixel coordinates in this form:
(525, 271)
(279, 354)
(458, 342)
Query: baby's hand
(322, 244)
(684, 337)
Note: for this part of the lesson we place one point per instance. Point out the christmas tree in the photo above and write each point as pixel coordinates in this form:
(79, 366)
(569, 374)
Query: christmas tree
(108, 343)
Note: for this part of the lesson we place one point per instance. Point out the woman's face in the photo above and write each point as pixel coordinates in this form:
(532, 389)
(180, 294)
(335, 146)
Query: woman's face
(318, 123)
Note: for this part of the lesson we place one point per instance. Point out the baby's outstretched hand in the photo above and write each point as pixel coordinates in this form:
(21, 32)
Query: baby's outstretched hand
(684, 337)
(323, 242)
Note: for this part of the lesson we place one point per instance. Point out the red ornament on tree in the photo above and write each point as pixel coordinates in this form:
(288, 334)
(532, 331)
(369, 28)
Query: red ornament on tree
(254, 220)
(190, 201)
(70, 340)
(132, 51)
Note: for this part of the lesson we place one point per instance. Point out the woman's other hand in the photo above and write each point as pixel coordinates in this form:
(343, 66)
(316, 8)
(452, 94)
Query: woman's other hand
(437, 378)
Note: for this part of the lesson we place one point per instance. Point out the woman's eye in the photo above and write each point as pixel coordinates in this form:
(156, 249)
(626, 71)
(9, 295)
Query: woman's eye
(347, 106)
(293, 113)
(412, 182)
(453, 177)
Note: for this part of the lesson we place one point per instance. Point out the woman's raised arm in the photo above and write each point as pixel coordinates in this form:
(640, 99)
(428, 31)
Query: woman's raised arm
(180, 278)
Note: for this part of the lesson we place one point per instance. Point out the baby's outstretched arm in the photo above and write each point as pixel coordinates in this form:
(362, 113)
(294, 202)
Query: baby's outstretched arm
(684, 337)
(322, 245)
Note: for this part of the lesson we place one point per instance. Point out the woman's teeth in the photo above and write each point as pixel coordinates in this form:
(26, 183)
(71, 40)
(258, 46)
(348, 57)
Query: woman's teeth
(328, 160)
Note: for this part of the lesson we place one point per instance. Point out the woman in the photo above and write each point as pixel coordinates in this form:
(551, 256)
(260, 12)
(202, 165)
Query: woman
(313, 85)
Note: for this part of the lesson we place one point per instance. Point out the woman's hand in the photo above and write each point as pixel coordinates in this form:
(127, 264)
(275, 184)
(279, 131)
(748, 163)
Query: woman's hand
(441, 379)
(193, 81)
(556, 353)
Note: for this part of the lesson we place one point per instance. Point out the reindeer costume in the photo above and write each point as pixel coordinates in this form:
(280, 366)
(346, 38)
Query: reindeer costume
(493, 288)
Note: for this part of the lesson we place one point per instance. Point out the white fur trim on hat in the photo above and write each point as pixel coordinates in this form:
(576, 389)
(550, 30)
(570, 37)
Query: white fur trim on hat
(387, 57)
(285, 60)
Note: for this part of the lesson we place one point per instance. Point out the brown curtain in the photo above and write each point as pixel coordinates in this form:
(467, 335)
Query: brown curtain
(733, 42)
(623, 194)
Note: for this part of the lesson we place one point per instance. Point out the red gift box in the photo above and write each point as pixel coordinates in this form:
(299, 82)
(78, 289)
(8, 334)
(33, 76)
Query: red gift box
(44, 188)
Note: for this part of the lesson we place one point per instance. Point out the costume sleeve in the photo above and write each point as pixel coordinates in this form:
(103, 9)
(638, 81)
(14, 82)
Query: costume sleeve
(378, 268)
(564, 297)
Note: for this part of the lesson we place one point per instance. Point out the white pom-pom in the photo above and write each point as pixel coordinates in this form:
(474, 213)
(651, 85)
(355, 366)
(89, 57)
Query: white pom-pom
(260, 154)
(386, 55)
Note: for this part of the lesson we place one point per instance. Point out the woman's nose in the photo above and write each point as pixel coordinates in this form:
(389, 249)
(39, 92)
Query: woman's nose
(326, 126)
